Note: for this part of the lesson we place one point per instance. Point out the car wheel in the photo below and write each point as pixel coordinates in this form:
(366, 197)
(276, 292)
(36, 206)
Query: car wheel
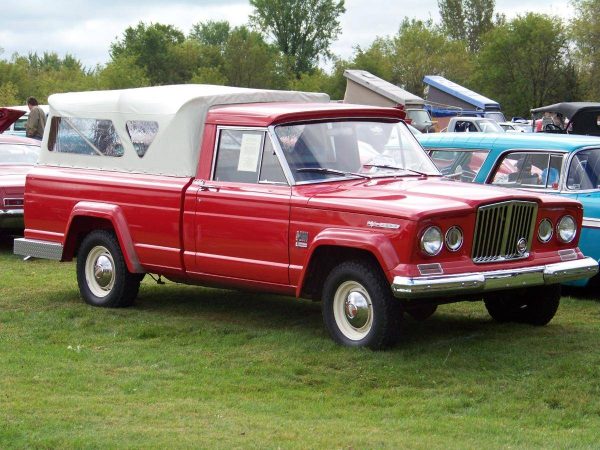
(102, 274)
(359, 309)
(533, 306)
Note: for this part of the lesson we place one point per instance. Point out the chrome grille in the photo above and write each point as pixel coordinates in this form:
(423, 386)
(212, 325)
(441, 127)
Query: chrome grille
(499, 228)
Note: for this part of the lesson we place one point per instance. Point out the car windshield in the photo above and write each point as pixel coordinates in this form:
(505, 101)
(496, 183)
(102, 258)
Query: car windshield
(19, 154)
(489, 126)
(460, 165)
(584, 170)
(350, 149)
(497, 116)
(418, 115)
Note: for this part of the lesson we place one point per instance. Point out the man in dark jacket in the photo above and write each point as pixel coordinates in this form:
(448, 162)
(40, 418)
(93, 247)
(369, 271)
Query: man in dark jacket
(34, 128)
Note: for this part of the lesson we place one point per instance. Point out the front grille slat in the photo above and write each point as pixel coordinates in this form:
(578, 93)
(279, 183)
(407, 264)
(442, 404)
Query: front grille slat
(499, 228)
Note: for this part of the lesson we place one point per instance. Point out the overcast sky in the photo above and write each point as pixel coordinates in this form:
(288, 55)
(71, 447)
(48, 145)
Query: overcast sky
(86, 28)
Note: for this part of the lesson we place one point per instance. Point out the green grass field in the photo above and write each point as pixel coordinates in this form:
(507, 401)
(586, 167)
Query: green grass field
(206, 368)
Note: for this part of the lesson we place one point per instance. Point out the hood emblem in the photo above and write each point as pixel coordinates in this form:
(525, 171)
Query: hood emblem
(387, 226)
(521, 246)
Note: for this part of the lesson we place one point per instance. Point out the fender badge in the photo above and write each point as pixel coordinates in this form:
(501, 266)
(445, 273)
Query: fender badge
(302, 239)
(388, 226)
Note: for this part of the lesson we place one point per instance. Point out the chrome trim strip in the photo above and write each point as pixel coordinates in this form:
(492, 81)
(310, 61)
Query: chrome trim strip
(11, 212)
(473, 283)
(38, 249)
(590, 222)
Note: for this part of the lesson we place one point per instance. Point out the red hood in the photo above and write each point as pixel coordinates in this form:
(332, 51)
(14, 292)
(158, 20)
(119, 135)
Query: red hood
(416, 198)
(8, 117)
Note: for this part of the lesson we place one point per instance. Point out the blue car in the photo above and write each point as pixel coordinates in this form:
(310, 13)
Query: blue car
(566, 165)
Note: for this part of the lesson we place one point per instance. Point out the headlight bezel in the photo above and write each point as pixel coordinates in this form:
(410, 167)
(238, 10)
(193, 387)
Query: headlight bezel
(550, 230)
(458, 246)
(423, 244)
(560, 229)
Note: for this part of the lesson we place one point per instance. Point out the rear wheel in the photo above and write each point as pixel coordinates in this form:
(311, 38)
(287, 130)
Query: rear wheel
(102, 274)
(359, 309)
(535, 306)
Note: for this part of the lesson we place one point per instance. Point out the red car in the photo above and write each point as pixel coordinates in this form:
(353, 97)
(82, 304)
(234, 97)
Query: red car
(17, 157)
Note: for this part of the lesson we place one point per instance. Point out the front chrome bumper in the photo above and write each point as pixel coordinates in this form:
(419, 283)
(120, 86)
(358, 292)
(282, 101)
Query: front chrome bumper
(478, 282)
(11, 219)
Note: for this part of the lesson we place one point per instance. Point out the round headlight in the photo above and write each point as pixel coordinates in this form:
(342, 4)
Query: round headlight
(454, 239)
(566, 229)
(545, 231)
(431, 241)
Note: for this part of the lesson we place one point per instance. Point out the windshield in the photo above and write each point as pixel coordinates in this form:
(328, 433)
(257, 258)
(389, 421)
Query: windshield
(418, 115)
(18, 154)
(584, 170)
(489, 126)
(497, 116)
(326, 150)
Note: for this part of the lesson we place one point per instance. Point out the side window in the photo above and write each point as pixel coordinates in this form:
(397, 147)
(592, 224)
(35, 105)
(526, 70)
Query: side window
(141, 133)
(239, 156)
(84, 137)
(532, 170)
(270, 169)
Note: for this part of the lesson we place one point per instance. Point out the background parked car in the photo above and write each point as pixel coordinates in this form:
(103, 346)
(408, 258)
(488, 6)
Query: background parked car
(568, 117)
(17, 128)
(555, 164)
(464, 124)
(17, 157)
(515, 127)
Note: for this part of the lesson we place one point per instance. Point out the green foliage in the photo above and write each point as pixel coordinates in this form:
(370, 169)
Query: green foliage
(251, 62)
(211, 33)
(121, 73)
(467, 20)
(9, 94)
(585, 31)
(153, 48)
(525, 64)
(302, 29)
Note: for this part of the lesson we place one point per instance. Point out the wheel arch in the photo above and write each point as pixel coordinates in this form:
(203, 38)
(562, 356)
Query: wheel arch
(88, 216)
(332, 247)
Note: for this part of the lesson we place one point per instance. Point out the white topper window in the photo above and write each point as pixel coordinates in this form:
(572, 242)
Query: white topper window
(141, 133)
(96, 137)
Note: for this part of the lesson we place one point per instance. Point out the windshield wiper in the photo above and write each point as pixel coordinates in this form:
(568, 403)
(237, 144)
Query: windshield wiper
(331, 171)
(388, 166)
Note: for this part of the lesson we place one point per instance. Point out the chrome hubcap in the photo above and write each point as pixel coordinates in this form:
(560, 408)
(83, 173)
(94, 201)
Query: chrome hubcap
(103, 271)
(353, 310)
(357, 309)
(100, 271)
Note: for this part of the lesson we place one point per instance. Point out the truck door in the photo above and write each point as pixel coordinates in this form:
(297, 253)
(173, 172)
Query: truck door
(243, 211)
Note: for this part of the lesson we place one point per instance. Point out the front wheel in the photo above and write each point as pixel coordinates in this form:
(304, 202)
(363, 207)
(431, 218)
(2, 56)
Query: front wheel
(535, 306)
(102, 274)
(359, 309)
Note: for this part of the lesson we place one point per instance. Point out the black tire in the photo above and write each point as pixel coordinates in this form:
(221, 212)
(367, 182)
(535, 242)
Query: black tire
(372, 318)
(422, 312)
(115, 287)
(535, 306)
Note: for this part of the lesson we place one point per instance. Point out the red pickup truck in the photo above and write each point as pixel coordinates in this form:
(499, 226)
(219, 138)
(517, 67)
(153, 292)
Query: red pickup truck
(284, 192)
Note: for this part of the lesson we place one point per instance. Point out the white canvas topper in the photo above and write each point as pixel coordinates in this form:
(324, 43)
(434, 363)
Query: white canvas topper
(177, 114)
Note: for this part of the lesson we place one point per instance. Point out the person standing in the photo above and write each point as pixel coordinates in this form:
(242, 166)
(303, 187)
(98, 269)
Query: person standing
(36, 122)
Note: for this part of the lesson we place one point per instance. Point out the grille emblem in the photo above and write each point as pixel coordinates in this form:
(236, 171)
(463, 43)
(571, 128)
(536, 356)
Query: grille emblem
(522, 246)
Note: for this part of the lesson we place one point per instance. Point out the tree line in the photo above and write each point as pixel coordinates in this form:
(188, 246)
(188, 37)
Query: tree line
(529, 61)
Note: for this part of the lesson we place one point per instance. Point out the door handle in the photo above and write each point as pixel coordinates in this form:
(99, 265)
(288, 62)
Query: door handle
(209, 187)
